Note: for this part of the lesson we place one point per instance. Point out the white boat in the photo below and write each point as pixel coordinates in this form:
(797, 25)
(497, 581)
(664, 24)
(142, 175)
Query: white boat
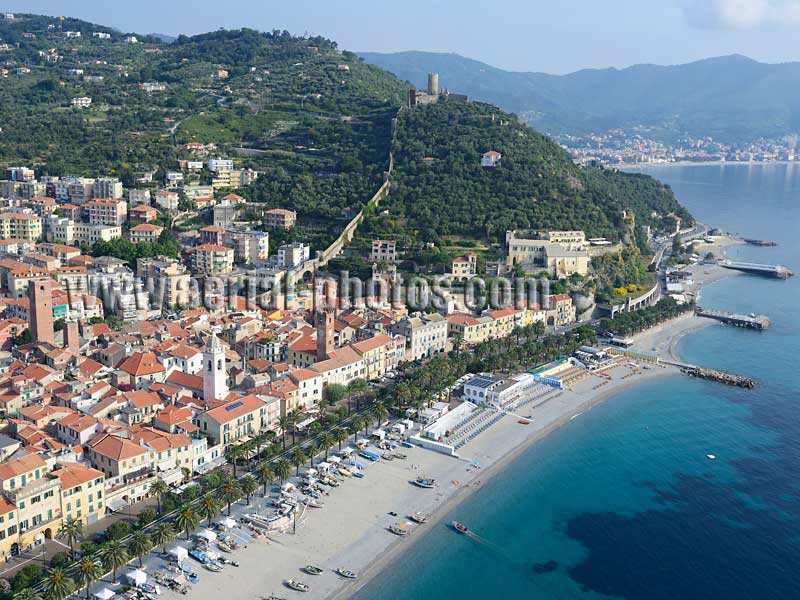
(401, 529)
(711, 457)
(346, 573)
(298, 586)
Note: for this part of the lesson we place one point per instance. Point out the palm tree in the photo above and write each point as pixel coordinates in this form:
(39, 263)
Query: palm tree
(114, 555)
(293, 425)
(297, 458)
(140, 545)
(57, 584)
(283, 469)
(326, 441)
(258, 441)
(71, 530)
(249, 485)
(234, 454)
(341, 436)
(356, 425)
(163, 534)
(158, 488)
(88, 573)
(27, 594)
(380, 412)
(187, 519)
(230, 492)
(354, 388)
(265, 475)
(209, 508)
(284, 423)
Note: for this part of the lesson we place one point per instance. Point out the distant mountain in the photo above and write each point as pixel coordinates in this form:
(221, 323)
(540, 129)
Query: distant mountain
(164, 37)
(731, 98)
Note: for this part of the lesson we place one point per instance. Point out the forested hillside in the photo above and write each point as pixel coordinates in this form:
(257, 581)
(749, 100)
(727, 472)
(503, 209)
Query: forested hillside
(439, 188)
(316, 122)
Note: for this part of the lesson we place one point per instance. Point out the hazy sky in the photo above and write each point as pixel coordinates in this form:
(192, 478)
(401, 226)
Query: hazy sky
(536, 35)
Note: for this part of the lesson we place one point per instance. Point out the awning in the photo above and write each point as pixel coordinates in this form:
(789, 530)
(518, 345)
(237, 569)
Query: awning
(116, 504)
(137, 577)
(334, 460)
(172, 476)
(227, 523)
(323, 466)
(179, 553)
(207, 534)
(104, 594)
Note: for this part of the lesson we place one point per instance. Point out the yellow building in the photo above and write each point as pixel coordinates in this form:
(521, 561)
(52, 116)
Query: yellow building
(31, 506)
(560, 253)
(20, 226)
(81, 493)
(505, 320)
(471, 330)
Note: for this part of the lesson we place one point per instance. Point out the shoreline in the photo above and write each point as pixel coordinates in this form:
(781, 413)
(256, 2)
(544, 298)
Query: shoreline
(374, 569)
(703, 163)
(351, 531)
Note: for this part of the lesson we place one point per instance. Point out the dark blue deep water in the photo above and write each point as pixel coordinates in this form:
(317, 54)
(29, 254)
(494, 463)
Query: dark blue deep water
(621, 502)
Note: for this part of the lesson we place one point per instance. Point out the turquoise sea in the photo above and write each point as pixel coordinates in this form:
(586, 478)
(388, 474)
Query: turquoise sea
(622, 502)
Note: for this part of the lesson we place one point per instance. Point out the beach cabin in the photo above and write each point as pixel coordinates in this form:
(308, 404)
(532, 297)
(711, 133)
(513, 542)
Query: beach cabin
(379, 434)
(324, 467)
(178, 553)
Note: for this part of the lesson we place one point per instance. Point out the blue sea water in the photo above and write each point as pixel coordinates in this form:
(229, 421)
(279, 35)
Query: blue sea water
(622, 502)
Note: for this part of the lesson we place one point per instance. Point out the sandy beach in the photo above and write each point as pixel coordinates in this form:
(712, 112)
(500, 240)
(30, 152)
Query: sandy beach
(351, 532)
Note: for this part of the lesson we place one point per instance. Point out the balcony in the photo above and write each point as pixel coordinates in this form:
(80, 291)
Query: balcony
(34, 488)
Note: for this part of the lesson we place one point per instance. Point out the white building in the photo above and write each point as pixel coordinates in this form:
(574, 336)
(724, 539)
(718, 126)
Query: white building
(220, 164)
(81, 102)
(291, 255)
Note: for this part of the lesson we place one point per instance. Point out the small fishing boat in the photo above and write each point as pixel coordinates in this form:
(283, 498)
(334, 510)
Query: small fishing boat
(419, 517)
(297, 586)
(711, 457)
(524, 422)
(387, 456)
(222, 545)
(400, 456)
(213, 566)
(358, 475)
(371, 456)
(406, 445)
(459, 527)
(401, 529)
(346, 573)
(424, 482)
(315, 503)
(344, 471)
(312, 570)
(274, 597)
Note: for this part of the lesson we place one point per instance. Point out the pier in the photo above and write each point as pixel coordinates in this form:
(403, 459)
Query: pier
(718, 376)
(753, 242)
(748, 321)
(778, 271)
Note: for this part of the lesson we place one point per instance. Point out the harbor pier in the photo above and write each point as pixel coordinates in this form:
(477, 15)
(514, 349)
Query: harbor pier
(748, 321)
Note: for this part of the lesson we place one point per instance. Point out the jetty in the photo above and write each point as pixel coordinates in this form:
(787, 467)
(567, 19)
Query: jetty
(778, 271)
(753, 242)
(751, 321)
(718, 376)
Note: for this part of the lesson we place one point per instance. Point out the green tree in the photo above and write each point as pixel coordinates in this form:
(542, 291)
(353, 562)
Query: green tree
(88, 572)
(114, 556)
(229, 492)
(158, 488)
(326, 441)
(283, 469)
(234, 454)
(248, 485)
(140, 544)
(163, 534)
(57, 585)
(341, 436)
(187, 519)
(297, 458)
(71, 530)
(265, 476)
(209, 508)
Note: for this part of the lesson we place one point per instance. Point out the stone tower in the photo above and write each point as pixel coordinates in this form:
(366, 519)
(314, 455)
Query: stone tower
(72, 338)
(215, 386)
(433, 84)
(41, 311)
(325, 333)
